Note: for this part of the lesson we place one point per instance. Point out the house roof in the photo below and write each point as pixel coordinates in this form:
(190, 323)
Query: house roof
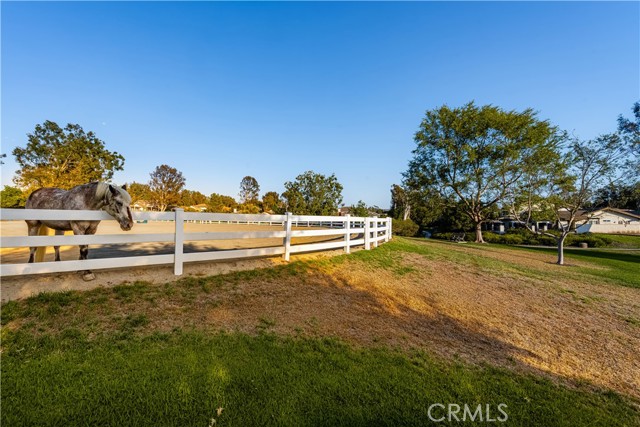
(584, 214)
(625, 212)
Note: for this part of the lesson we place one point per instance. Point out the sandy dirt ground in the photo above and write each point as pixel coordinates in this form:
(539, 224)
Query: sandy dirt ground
(24, 286)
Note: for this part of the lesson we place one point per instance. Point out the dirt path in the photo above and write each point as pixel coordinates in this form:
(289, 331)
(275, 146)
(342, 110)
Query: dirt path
(24, 286)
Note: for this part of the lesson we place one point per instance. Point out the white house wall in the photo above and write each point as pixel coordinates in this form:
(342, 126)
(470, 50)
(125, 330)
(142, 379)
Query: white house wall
(632, 228)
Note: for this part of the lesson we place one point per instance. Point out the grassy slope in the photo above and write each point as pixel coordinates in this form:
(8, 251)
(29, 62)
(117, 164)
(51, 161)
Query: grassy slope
(77, 376)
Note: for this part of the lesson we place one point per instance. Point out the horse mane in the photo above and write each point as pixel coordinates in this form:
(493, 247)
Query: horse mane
(101, 190)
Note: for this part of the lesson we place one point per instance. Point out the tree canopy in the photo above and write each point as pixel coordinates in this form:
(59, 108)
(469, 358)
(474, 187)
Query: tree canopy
(165, 185)
(221, 204)
(313, 194)
(249, 190)
(12, 197)
(564, 185)
(475, 154)
(64, 158)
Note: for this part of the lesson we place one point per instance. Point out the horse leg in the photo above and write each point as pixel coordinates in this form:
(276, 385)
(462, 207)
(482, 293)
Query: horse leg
(57, 248)
(33, 230)
(87, 275)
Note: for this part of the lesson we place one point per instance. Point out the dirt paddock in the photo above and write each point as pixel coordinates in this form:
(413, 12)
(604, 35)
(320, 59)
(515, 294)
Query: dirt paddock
(15, 287)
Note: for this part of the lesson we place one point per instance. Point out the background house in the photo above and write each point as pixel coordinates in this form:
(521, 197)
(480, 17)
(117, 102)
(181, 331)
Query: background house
(611, 220)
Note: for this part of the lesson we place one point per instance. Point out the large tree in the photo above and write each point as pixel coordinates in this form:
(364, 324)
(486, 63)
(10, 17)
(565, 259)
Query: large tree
(64, 158)
(474, 154)
(192, 198)
(165, 184)
(221, 204)
(271, 202)
(564, 184)
(249, 190)
(139, 192)
(313, 194)
(630, 131)
(400, 204)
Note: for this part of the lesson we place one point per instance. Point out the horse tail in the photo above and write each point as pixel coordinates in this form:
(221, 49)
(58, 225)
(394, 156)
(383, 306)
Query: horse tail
(42, 250)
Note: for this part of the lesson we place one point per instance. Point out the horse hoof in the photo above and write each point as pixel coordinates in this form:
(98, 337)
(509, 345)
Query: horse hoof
(87, 277)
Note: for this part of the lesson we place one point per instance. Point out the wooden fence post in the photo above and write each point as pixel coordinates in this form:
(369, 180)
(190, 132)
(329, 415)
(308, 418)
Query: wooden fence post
(287, 237)
(388, 229)
(179, 242)
(347, 235)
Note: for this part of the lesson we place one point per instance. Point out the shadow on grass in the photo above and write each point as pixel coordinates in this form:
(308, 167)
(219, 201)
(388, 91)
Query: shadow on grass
(136, 374)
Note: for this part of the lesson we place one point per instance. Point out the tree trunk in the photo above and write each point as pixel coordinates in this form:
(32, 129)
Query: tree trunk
(479, 238)
(561, 249)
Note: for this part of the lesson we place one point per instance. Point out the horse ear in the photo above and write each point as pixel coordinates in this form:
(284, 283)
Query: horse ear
(124, 187)
(114, 192)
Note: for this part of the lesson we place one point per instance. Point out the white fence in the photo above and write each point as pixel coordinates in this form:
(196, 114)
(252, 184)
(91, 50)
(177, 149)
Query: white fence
(345, 231)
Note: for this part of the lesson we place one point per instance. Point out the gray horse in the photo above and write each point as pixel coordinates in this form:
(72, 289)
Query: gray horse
(94, 196)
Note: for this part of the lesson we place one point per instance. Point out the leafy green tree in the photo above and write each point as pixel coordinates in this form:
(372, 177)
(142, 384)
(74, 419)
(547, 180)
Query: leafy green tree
(221, 204)
(630, 131)
(12, 197)
(313, 194)
(64, 158)
(139, 192)
(192, 198)
(359, 209)
(619, 196)
(249, 190)
(563, 185)
(474, 155)
(400, 204)
(271, 202)
(165, 185)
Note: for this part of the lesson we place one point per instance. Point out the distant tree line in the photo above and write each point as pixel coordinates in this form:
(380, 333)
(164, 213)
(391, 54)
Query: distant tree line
(69, 156)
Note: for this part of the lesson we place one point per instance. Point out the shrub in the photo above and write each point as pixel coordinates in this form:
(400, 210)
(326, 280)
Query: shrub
(406, 228)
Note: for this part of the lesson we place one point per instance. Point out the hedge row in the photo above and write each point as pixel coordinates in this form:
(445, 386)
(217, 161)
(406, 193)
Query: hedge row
(525, 237)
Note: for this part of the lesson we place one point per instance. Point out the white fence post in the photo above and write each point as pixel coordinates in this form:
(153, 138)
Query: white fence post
(347, 235)
(287, 237)
(367, 233)
(389, 222)
(179, 242)
(375, 231)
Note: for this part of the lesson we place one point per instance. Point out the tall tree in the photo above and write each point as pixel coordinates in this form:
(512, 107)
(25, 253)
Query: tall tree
(621, 196)
(165, 184)
(249, 190)
(192, 198)
(400, 205)
(474, 154)
(221, 204)
(630, 131)
(564, 184)
(313, 194)
(271, 202)
(139, 192)
(64, 158)
(359, 209)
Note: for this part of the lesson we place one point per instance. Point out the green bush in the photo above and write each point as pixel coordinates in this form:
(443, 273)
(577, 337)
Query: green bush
(406, 228)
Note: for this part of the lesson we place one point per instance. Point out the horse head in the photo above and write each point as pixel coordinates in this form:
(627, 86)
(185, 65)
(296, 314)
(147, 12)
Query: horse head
(116, 203)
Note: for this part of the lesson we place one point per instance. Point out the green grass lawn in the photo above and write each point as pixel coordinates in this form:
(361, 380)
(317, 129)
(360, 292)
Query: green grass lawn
(624, 241)
(181, 379)
(127, 376)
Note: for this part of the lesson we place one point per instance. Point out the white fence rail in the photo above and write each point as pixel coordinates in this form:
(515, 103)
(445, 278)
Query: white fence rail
(367, 231)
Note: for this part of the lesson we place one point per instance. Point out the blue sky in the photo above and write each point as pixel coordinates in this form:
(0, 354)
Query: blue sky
(224, 90)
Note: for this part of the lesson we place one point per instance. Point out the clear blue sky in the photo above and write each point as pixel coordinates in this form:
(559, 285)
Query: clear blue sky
(224, 90)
